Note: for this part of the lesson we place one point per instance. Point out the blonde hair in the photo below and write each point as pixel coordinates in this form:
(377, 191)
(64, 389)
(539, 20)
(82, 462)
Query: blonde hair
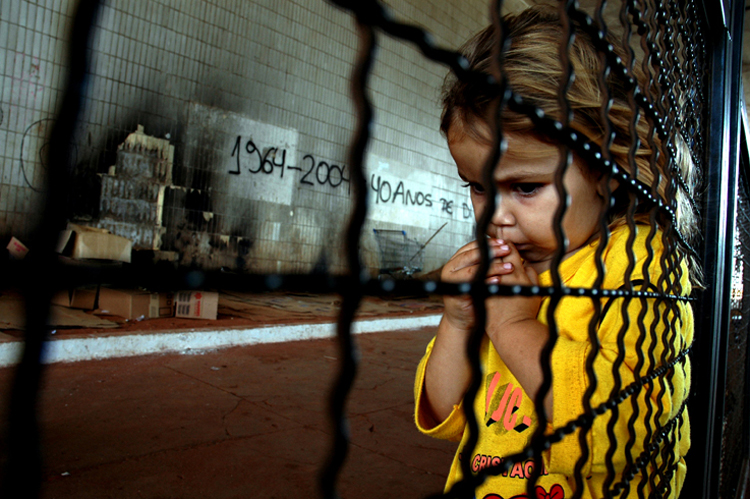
(531, 67)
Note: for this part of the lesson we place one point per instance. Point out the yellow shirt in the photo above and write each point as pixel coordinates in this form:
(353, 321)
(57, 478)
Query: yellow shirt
(507, 417)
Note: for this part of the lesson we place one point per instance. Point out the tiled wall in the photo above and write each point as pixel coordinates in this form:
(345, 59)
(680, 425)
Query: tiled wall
(227, 79)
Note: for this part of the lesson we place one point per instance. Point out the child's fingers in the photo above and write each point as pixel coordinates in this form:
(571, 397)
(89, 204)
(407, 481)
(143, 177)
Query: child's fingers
(500, 267)
(471, 254)
(532, 275)
(495, 245)
(513, 271)
(466, 269)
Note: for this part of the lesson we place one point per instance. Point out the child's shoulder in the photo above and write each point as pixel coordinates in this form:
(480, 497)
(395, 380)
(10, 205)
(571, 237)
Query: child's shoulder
(641, 245)
(646, 250)
(645, 240)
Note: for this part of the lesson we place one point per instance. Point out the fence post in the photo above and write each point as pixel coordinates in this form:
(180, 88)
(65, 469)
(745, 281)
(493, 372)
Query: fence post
(724, 51)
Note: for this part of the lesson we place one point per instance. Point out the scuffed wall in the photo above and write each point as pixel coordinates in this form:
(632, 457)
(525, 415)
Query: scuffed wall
(253, 97)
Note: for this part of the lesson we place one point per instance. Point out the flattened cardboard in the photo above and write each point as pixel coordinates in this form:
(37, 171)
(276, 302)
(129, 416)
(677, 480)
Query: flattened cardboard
(196, 304)
(12, 316)
(81, 242)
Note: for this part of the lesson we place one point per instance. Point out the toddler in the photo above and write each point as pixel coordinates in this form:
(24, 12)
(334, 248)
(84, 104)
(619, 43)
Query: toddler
(635, 335)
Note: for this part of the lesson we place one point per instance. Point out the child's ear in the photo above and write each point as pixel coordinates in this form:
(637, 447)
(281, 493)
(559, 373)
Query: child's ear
(613, 185)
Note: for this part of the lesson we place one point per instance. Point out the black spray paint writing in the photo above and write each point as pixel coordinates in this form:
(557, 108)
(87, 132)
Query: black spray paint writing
(385, 193)
(447, 206)
(267, 161)
(274, 158)
(332, 174)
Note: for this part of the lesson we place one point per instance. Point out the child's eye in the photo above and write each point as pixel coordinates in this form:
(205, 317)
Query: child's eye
(475, 187)
(527, 189)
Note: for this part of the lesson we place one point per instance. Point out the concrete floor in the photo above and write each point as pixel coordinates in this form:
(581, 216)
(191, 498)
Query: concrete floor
(241, 422)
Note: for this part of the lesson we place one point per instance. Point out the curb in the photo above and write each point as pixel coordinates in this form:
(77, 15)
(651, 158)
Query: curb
(195, 341)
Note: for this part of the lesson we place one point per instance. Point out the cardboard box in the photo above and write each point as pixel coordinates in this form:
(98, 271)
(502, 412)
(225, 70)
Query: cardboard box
(83, 298)
(135, 304)
(81, 242)
(197, 304)
(17, 249)
(127, 303)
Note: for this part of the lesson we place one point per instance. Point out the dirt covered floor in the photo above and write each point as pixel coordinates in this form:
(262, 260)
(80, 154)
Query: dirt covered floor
(241, 422)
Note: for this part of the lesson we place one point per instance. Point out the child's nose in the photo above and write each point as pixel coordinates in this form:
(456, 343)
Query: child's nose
(503, 213)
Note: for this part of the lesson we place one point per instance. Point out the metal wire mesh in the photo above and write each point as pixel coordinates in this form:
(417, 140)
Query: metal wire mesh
(673, 57)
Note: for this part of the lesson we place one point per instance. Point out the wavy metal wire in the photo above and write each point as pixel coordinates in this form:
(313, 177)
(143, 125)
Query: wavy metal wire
(630, 218)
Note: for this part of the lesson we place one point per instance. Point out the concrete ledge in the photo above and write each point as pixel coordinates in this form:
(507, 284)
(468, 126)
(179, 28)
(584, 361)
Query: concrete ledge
(103, 347)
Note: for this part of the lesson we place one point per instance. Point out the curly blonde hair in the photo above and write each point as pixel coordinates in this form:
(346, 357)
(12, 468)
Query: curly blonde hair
(531, 67)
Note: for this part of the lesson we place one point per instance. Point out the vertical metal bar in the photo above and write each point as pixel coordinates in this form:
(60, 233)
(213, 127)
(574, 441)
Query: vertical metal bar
(721, 186)
(632, 207)
(652, 93)
(745, 179)
(23, 470)
(567, 77)
(669, 264)
(478, 290)
(353, 292)
(593, 330)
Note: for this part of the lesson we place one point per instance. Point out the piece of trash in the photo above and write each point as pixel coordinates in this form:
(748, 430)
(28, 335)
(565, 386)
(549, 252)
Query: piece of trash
(141, 318)
(213, 368)
(196, 304)
(105, 312)
(330, 358)
(16, 249)
(64, 473)
(53, 331)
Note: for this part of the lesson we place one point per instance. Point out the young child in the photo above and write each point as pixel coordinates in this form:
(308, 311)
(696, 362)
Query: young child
(645, 333)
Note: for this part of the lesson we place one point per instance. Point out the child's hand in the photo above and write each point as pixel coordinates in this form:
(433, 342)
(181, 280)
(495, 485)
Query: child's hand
(511, 326)
(463, 267)
(503, 311)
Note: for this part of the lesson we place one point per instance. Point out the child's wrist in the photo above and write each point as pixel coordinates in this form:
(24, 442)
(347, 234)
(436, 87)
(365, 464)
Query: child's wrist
(503, 327)
(455, 326)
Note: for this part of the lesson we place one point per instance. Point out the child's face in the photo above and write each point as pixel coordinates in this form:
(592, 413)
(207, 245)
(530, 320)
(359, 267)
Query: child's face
(528, 198)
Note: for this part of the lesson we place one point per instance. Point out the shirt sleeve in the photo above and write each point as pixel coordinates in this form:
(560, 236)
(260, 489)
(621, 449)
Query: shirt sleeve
(452, 427)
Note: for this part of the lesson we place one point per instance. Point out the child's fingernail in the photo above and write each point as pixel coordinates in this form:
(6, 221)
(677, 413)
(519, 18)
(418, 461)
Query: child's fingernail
(508, 266)
(493, 280)
(496, 252)
(504, 247)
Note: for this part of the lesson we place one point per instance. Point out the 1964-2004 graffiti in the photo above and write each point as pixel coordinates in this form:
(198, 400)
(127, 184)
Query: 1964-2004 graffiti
(253, 159)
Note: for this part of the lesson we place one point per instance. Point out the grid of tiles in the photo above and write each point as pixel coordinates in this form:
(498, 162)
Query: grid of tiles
(281, 64)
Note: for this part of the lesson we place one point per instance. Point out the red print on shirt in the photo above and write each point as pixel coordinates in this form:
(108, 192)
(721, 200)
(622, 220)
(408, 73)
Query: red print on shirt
(556, 492)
